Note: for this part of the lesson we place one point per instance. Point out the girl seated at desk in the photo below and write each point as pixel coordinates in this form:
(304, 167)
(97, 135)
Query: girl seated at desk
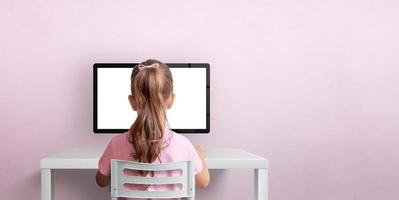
(149, 139)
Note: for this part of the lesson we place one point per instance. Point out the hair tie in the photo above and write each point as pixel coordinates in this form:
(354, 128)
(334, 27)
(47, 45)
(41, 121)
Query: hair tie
(142, 67)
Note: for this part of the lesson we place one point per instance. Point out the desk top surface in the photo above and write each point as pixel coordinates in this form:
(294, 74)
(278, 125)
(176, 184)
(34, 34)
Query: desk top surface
(216, 158)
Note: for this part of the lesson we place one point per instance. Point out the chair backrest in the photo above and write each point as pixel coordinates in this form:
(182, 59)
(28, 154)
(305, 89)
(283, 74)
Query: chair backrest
(119, 179)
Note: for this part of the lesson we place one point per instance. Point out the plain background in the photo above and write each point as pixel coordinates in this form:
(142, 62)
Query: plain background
(310, 85)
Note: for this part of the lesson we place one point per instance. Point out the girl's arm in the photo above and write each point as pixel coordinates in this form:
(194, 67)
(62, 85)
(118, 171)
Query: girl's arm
(102, 180)
(202, 178)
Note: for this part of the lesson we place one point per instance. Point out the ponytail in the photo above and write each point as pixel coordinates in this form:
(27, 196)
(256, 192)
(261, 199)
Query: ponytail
(150, 87)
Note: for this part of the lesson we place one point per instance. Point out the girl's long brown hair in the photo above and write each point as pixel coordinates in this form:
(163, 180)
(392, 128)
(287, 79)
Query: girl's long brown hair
(150, 87)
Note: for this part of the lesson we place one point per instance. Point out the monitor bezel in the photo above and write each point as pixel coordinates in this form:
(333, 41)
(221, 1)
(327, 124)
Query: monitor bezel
(96, 66)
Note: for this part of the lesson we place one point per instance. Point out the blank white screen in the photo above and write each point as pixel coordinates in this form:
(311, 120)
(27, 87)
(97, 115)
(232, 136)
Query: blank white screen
(187, 112)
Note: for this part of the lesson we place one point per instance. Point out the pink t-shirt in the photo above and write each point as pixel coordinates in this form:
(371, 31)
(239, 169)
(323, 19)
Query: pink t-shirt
(177, 148)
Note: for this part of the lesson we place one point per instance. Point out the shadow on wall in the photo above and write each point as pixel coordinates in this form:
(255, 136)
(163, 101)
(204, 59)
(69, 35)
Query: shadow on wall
(30, 181)
(78, 184)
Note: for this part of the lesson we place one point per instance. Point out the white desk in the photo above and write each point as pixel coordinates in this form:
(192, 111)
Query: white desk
(216, 159)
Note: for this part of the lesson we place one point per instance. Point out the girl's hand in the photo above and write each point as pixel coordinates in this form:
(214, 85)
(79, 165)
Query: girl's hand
(202, 178)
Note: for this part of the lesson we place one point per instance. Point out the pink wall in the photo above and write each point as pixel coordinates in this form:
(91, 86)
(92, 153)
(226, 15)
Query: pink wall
(311, 85)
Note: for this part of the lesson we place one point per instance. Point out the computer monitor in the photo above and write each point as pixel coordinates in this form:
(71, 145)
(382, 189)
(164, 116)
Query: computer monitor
(112, 112)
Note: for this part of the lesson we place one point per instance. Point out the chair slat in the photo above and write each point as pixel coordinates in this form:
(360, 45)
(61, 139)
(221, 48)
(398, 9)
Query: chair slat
(154, 167)
(152, 194)
(153, 180)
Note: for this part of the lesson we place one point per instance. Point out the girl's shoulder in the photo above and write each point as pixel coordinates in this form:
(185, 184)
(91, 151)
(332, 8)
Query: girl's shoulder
(179, 139)
(179, 149)
(120, 139)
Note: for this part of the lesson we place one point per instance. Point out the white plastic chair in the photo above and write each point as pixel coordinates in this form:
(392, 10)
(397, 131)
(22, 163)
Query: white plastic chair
(118, 179)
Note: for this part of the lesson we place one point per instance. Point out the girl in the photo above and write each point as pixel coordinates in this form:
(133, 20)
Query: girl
(149, 139)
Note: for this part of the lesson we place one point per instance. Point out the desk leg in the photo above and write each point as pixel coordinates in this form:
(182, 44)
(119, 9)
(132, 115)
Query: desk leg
(47, 184)
(261, 184)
